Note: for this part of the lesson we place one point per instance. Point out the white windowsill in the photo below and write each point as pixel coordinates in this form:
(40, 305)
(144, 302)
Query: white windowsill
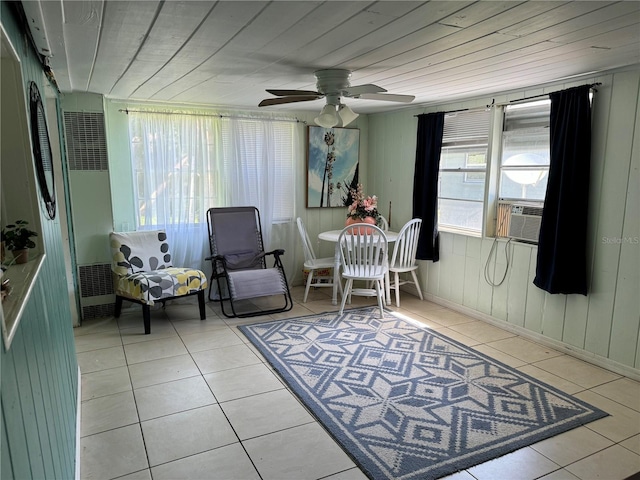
(22, 278)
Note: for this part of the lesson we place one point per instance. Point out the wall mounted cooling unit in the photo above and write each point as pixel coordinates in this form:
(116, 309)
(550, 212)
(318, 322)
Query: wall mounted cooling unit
(525, 222)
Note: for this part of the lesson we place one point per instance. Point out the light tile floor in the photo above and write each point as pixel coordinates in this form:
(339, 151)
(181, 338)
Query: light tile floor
(194, 400)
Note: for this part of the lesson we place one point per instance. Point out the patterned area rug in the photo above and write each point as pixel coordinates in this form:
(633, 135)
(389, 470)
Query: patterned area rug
(406, 402)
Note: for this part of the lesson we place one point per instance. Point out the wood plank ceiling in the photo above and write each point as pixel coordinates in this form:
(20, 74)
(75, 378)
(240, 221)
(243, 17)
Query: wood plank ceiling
(227, 53)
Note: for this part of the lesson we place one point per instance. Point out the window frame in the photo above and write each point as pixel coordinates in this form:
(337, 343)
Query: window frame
(534, 125)
(467, 139)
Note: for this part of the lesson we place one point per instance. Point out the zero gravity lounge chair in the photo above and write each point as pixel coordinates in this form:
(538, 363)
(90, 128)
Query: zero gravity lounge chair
(239, 262)
(143, 273)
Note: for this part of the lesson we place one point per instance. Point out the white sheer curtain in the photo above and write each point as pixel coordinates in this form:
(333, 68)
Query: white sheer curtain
(183, 164)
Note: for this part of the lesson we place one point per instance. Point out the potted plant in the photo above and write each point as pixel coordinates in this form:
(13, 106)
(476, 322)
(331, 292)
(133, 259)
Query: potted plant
(17, 239)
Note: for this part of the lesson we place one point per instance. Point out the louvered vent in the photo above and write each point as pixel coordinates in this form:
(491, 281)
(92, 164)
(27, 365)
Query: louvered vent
(95, 280)
(86, 141)
(98, 311)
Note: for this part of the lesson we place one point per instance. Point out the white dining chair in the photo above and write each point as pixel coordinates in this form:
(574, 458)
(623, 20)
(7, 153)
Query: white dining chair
(363, 256)
(403, 259)
(312, 264)
(383, 223)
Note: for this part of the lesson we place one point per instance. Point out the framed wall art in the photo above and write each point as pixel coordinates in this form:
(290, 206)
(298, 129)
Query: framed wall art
(332, 165)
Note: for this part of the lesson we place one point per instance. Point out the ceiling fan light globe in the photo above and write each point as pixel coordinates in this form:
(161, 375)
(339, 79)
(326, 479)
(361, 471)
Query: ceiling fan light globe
(346, 114)
(328, 117)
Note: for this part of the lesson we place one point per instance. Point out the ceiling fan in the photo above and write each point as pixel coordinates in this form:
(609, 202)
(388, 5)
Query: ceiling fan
(333, 84)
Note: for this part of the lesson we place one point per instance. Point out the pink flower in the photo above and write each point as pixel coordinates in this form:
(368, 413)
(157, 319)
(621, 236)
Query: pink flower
(362, 206)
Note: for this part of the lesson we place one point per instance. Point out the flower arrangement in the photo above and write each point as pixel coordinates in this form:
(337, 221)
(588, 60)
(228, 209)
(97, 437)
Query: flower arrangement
(363, 206)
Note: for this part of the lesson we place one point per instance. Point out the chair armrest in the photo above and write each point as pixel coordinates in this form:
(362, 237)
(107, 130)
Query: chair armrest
(276, 252)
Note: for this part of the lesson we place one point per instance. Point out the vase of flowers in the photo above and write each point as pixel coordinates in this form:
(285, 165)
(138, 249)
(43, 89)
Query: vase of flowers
(363, 209)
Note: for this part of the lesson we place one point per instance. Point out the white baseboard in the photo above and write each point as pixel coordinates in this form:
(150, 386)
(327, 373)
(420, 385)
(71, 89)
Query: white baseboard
(78, 419)
(592, 358)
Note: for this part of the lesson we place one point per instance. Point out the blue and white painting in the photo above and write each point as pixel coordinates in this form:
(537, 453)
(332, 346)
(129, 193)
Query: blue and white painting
(332, 165)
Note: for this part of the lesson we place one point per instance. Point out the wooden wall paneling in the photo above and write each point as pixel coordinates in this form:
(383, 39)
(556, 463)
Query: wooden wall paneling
(553, 316)
(601, 112)
(38, 379)
(518, 283)
(431, 276)
(459, 259)
(626, 303)
(16, 443)
(610, 215)
(485, 291)
(29, 419)
(376, 182)
(6, 469)
(500, 293)
(61, 381)
(601, 297)
(446, 274)
(49, 381)
(472, 269)
(575, 320)
(626, 312)
(637, 362)
(404, 162)
(535, 298)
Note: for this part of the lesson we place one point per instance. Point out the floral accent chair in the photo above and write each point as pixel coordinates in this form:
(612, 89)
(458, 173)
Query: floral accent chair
(143, 273)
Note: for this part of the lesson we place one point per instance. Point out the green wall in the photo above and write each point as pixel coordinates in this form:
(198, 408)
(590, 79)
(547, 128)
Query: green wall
(602, 327)
(39, 373)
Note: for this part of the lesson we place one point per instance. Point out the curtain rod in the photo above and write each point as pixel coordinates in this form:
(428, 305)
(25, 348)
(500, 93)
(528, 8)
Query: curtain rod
(592, 85)
(268, 119)
(453, 111)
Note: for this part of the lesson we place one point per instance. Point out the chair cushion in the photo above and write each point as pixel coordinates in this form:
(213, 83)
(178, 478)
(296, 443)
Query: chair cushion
(256, 283)
(142, 251)
(151, 286)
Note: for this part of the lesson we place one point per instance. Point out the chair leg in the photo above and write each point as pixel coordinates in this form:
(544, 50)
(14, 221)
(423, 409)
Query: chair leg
(146, 316)
(210, 286)
(415, 280)
(387, 288)
(306, 290)
(396, 278)
(347, 293)
(203, 314)
(380, 291)
(118, 307)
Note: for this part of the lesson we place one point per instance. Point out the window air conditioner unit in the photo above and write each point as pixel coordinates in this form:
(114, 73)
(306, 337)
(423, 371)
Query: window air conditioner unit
(525, 222)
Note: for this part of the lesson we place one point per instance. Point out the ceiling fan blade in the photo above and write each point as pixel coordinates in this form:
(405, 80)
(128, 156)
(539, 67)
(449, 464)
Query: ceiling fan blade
(291, 93)
(389, 97)
(360, 89)
(292, 99)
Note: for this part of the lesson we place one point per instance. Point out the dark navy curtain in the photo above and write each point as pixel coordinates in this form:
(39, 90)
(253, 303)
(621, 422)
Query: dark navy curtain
(562, 256)
(425, 183)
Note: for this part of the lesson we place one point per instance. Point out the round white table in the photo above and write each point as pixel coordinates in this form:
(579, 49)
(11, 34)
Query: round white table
(332, 236)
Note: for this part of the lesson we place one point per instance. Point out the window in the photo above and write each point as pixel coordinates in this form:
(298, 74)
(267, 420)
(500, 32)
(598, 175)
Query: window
(524, 164)
(463, 166)
(246, 145)
(185, 164)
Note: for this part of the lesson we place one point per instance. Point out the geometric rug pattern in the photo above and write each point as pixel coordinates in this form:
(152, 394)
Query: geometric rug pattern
(406, 402)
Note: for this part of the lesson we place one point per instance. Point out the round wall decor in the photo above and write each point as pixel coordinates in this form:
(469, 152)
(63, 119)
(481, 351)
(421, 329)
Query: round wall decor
(42, 150)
